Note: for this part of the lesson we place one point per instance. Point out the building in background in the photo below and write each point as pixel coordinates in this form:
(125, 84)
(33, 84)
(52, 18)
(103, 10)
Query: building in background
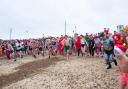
(120, 28)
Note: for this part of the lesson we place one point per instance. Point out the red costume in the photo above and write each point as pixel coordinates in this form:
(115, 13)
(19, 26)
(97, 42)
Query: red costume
(7, 51)
(60, 45)
(117, 39)
(78, 42)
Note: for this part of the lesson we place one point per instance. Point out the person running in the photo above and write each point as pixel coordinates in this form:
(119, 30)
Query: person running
(51, 50)
(19, 49)
(78, 45)
(108, 46)
(7, 52)
(54, 43)
(60, 45)
(102, 48)
(83, 44)
(97, 45)
(87, 44)
(26, 47)
(10, 50)
(3, 49)
(91, 44)
(43, 46)
(67, 46)
(29, 50)
(33, 45)
(39, 48)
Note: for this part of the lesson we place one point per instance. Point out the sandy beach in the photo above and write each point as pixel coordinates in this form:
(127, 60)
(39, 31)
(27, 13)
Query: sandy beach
(57, 73)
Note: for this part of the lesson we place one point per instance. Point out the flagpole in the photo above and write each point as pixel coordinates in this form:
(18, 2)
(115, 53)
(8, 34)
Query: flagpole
(65, 27)
(26, 33)
(75, 29)
(10, 33)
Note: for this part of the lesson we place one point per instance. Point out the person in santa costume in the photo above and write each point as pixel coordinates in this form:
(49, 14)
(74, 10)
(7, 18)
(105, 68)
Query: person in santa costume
(7, 52)
(117, 39)
(120, 53)
(78, 45)
(60, 45)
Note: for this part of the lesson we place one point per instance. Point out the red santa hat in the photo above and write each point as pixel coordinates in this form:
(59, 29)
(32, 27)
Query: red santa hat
(121, 49)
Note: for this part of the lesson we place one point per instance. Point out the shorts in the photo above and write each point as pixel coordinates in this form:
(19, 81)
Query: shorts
(66, 48)
(123, 79)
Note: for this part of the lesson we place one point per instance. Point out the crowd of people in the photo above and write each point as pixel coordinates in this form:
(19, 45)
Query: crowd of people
(104, 44)
(64, 45)
(100, 44)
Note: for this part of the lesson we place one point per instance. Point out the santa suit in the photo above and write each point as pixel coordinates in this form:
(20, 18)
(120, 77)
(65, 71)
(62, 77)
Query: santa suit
(78, 45)
(117, 39)
(60, 45)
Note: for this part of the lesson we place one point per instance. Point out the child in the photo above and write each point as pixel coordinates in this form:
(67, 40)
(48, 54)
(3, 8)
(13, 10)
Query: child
(123, 65)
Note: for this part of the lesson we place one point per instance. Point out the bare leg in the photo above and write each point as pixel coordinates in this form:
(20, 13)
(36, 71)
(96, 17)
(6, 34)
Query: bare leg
(34, 53)
(13, 55)
(68, 55)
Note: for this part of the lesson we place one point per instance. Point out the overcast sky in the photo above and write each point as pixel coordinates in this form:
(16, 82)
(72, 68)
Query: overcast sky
(33, 18)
